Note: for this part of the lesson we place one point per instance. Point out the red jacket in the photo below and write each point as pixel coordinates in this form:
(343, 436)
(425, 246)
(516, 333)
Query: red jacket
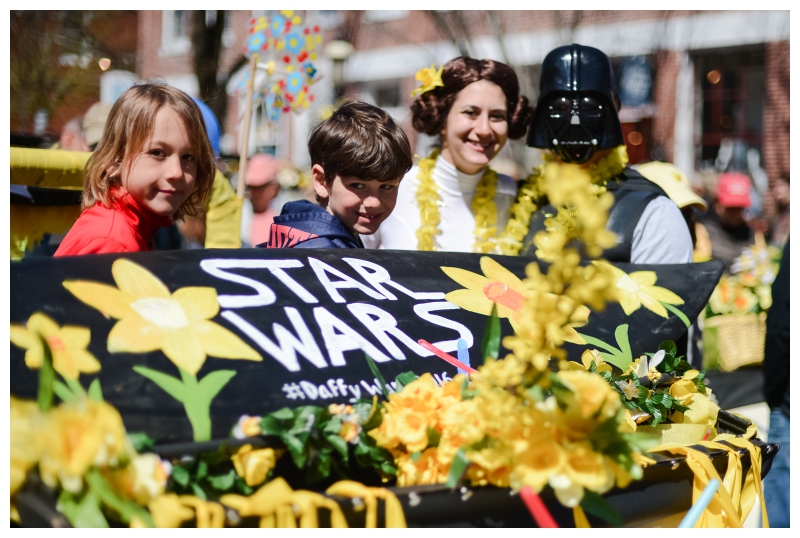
(125, 227)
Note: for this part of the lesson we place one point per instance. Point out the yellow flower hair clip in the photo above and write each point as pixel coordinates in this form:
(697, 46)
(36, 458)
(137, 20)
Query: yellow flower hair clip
(430, 78)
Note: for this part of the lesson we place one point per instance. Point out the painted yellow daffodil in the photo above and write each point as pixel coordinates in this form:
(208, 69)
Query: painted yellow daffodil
(503, 288)
(637, 289)
(150, 318)
(67, 345)
(430, 78)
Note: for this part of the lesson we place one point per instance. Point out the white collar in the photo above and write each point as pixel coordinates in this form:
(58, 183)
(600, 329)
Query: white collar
(453, 181)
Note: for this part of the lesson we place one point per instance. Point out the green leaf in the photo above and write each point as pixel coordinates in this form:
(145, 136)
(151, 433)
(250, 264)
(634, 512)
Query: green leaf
(223, 482)
(63, 392)
(180, 475)
(141, 441)
(377, 373)
(198, 492)
(242, 486)
(678, 313)
(202, 470)
(47, 375)
(319, 469)
(404, 379)
(297, 449)
(490, 347)
(126, 508)
(171, 385)
(669, 347)
(339, 444)
(282, 414)
(211, 384)
(305, 419)
(415, 456)
(597, 506)
(433, 437)
(83, 512)
(95, 392)
(621, 334)
(457, 468)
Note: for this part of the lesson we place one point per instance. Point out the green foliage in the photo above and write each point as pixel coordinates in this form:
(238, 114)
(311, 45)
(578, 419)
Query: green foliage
(596, 505)
(490, 347)
(47, 376)
(377, 373)
(457, 469)
(141, 441)
(95, 391)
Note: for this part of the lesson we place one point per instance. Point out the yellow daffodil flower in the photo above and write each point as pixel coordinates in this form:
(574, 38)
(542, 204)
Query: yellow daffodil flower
(26, 439)
(503, 288)
(430, 78)
(637, 289)
(67, 345)
(78, 436)
(585, 466)
(255, 465)
(150, 318)
(593, 355)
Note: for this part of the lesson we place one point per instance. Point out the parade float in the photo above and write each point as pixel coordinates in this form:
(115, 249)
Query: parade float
(338, 388)
(359, 388)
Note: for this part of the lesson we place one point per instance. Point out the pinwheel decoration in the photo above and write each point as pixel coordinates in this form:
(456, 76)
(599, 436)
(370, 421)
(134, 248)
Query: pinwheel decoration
(286, 49)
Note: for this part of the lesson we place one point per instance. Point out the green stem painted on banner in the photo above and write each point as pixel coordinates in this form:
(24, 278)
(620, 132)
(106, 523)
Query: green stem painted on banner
(678, 313)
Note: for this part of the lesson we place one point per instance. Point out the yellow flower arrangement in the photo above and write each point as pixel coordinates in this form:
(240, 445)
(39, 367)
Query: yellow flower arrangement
(429, 78)
(67, 345)
(26, 442)
(151, 318)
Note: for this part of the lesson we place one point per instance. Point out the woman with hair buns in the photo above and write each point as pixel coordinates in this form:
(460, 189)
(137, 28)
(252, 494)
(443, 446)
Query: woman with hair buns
(452, 200)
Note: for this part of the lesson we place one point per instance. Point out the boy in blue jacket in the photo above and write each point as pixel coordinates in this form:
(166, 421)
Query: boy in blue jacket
(358, 156)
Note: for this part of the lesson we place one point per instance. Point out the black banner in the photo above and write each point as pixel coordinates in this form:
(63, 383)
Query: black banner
(309, 315)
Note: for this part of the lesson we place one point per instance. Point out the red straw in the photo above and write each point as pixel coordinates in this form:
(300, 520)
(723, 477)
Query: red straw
(537, 509)
(442, 355)
(708, 432)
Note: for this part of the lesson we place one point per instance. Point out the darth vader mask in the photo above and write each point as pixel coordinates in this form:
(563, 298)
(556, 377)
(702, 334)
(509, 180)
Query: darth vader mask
(575, 113)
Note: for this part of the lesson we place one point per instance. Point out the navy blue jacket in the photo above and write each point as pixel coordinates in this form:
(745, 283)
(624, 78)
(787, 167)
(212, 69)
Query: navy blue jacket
(303, 224)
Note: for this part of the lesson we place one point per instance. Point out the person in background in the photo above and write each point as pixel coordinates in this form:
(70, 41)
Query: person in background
(262, 188)
(776, 391)
(778, 230)
(93, 123)
(727, 228)
(679, 189)
(72, 137)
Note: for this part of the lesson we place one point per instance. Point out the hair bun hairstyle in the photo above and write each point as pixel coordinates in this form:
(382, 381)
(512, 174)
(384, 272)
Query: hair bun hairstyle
(429, 110)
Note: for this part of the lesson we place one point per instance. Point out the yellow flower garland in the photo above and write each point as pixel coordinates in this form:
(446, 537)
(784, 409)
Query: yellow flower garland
(485, 209)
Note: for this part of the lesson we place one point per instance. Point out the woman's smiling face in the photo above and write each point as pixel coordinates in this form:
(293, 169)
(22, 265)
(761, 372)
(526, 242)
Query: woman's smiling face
(476, 128)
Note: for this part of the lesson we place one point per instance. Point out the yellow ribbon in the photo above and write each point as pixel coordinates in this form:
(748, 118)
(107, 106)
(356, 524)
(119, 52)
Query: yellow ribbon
(210, 515)
(581, 522)
(279, 506)
(394, 511)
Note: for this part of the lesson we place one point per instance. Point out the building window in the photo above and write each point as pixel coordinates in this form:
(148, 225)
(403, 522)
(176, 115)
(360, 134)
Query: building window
(730, 96)
(174, 33)
(384, 15)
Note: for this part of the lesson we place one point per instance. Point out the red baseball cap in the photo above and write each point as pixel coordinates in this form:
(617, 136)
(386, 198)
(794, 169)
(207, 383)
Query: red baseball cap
(733, 190)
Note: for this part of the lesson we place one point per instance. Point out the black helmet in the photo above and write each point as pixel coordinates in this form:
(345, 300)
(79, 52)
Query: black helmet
(576, 111)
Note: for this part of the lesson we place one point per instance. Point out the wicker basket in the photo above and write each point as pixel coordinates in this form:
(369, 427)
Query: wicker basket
(739, 339)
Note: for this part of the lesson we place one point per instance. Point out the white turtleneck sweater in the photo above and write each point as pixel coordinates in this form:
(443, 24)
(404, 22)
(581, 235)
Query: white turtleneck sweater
(456, 190)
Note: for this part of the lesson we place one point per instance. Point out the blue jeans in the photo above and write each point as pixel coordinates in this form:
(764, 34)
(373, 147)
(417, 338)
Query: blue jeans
(776, 485)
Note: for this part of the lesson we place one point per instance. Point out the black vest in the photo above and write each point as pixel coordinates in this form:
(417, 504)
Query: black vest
(632, 192)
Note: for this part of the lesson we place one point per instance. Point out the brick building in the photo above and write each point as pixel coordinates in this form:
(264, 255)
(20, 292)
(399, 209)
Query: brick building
(691, 81)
